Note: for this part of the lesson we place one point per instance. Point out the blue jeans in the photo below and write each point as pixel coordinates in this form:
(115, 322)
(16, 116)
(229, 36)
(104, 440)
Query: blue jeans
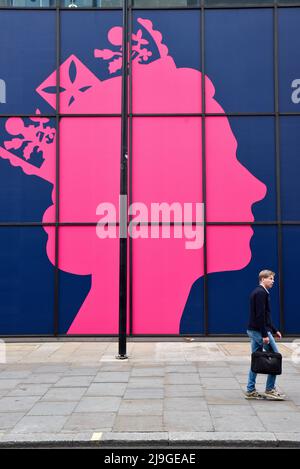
(256, 344)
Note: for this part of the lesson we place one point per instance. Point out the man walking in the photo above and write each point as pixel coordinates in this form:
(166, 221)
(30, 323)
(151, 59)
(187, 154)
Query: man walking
(260, 331)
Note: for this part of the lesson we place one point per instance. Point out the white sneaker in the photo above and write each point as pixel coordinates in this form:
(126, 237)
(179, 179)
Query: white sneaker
(274, 395)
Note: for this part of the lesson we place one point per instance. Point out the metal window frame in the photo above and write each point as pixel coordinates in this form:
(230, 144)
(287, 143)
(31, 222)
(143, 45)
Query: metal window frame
(276, 114)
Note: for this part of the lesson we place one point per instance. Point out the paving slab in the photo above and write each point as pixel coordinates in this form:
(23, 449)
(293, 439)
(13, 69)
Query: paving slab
(40, 424)
(141, 407)
(220, 383)
(188, 421)
(6, 384)
(224, 397)
(185, 404)
(17, 403)
(106, 389)
(42, 378)
(144, 393)
(281, 422)
(181, 390)
(180, 378)
(97, 421)
(231, 410)
(112, 377)
(150, 371)
(29, 390)
(74, 382)
(238, 423)
(145, 382)
(53, 408)
(9, 419)
(138, 423)
(98, 404)
(64, 394)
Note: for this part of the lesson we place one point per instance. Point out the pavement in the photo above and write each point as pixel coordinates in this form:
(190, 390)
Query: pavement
(181, 393)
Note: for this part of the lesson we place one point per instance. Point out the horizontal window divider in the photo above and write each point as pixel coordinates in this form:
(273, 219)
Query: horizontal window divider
(132, 115)
(178, 337)
(221, 6)
(132, 223)
(240, 114)
(50, 116)
(21, 336)
(89, 115)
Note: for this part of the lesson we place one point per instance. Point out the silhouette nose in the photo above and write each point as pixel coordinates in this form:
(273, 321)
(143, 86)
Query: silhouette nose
(258, 188)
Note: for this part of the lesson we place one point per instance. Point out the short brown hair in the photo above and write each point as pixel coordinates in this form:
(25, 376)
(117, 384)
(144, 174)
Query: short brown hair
(265, 274)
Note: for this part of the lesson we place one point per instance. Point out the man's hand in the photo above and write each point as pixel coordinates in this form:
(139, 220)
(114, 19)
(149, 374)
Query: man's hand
(266, 340)
(278, 334)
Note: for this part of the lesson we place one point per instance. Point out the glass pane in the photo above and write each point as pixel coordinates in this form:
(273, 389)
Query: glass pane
(167, 161)
(166, 3)
(163, 272)
(235, 256)
(26, 281)
(87, 82)
(239, 60)
(90, 3)
(166, 75)
(289, 157)
(28, 3)
(240, 3)
(27, 56)
(291, 259)
(89, 281)
(89, 167)
(240, 169)
(289, 71)
(27, 169)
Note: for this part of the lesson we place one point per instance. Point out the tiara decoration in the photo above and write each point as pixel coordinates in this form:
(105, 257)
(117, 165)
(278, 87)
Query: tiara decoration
(30, 137)
(139, 52)
(74, 80)
(27, 141)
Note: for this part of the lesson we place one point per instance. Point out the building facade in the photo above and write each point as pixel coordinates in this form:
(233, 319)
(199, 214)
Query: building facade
(213, 164)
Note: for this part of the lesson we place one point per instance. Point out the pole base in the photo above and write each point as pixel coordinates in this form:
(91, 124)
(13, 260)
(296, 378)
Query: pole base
(121, 357)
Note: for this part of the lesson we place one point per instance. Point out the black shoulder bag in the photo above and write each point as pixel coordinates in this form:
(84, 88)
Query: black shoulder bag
(269, 363)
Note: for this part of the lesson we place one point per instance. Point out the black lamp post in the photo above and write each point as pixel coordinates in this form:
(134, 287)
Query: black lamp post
(123, 192)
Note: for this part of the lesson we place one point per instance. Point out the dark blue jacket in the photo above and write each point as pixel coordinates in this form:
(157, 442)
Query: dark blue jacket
(260, 312)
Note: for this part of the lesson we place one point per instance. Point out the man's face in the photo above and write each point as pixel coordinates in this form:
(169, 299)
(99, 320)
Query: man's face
(268, 282)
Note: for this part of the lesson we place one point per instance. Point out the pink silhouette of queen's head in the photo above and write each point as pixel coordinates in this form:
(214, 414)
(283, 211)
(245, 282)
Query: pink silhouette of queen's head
(166, 167)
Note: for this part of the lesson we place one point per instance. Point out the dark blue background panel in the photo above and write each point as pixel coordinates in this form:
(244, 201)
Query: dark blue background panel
(27, 57)
(289, 155)
(239, 58)
(228, 292)
(291, 262)
(25, 197)
(175, 90)
(255, 151)
(181, 33)
(235, 2)
(26, 282)
(83, 32)
(192, 319)
(289, 63)
(73, 288)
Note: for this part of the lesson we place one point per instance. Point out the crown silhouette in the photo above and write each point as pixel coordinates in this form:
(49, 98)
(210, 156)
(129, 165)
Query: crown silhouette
(140, 50)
